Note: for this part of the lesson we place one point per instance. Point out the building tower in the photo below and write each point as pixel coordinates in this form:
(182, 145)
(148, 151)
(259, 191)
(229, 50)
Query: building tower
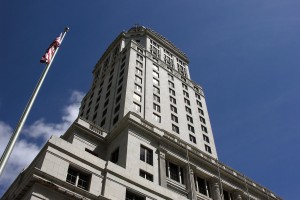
(143, 132)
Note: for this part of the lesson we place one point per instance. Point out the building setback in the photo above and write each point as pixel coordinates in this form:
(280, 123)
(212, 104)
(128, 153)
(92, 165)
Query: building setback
(143, 132)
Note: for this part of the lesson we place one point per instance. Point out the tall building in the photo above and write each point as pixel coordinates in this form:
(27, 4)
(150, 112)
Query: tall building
(143, 132)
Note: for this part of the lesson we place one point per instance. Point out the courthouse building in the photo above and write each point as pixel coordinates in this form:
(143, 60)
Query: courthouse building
(143, 133)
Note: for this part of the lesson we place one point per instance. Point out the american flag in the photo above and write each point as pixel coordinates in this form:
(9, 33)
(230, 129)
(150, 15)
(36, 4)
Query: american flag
(47, 57)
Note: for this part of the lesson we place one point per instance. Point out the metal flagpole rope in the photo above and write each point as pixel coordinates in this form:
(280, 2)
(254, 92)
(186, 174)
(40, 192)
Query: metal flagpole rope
(18, 129)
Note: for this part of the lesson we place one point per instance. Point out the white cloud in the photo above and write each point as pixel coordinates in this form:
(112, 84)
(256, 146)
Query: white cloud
(25, 150)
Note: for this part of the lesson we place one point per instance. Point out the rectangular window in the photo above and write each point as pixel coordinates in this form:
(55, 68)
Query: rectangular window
(171, 84)
(133, 196)
(117, 108)
(138, 79)
(189, 118)
(156, 90)
(174, 118)
(140, 57)
(173, 100)
(191, 128)
(174, 172)
(187, 109)
(119, 89)
(170, 77)
(185, 93)
(187, 101)
(137, 97)
(102, 122)
(197, 96)
(114, 157)
(137, 87)
(156, 98)
(199, 103)
(139, 50)
(207, 148)
(137, 107)
(155, 74)
(139, 64)
(155, 68)
(205, 138)
(171, 91)
(202, 186)
(118, 98)
(192, 139)
(184, 86)
(173, 108)
(138, 71)
(146, 175)
(155, 81)
(104, 112)
(156, 117)
(77, 178)
(203, 128)
(202, 120)
(156, 107)
(200, 111)
(146, 155)
(175, 128)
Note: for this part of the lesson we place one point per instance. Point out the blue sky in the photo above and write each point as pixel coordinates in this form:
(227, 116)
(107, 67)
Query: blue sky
(245, 54)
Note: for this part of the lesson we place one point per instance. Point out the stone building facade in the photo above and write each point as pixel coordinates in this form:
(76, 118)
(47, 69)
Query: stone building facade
(143, 132)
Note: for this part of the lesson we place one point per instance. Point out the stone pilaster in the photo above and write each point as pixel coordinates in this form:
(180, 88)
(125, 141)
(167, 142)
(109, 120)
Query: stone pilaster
(162, 169)
(237, 195)
(215, 189)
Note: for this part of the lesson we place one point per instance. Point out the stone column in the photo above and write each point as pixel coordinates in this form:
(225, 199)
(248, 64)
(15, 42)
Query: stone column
(237, 195)
(215, 189)
(162, 169)
(191, 184)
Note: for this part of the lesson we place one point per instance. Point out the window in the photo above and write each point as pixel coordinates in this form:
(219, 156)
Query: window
(155, 74)
(184, 86)
(91, 152)
(146, 155)
(200, 111)
(202, 120)
(137, 97)
(155, 81)
(94, 117)
(191, 128)
(114, 157)
(119, 89)
(156, 107)
(174, 172)
(120, 81)
(137, 88)
(203, 128)
(156, 90)
(174, 118)
(139, 64)
(133, 196)
(173, 100)
(207, 148)
(137, 107)
(199, 103)
(139, 57)
(155, 68)
(140, 50)
(118, 98)
(173, 108)
(104, 112)
(192, 139)
(102, 122)
(187, 101)
(175, 128)
(138, 71)
(138, 79)
(156, 98)
(187, 109)
(117, 108)
(205, 138)
(171, 84)
(170, 77)
(197, 96)
(185, 93)
(116, 119)
(156, 117)
(146, 175)
(77, 178)
(171, 91)
(107, 94)
(189, 118)
(202, 186)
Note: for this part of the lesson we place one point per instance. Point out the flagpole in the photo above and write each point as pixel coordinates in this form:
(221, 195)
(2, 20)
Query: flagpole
(23, 118)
